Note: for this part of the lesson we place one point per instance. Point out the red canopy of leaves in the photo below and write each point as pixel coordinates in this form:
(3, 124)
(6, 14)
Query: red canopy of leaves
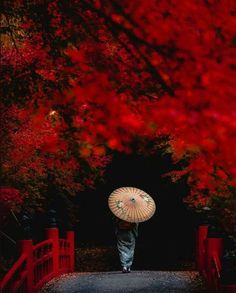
(115, 71)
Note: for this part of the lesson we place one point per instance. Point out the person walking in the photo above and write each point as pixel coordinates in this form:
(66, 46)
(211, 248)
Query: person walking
(126, 234)
(131, 206)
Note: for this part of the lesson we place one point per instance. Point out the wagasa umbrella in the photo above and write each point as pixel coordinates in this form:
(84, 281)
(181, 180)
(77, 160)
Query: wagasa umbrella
(131, 204)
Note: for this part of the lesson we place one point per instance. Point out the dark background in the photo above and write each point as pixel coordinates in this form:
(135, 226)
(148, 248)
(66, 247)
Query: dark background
(168, 238)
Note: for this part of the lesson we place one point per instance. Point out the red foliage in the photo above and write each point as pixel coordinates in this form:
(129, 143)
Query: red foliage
(116, 71)
(10, 198)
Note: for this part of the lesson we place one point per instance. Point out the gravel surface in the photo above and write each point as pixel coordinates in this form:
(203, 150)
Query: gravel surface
(136, 281)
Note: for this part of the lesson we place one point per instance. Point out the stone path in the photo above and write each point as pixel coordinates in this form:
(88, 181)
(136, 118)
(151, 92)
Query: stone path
(136, 281)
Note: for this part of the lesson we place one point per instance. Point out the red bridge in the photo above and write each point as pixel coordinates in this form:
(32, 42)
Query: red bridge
(42, 262)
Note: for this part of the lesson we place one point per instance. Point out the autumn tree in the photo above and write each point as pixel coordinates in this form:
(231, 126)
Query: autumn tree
(85, 77)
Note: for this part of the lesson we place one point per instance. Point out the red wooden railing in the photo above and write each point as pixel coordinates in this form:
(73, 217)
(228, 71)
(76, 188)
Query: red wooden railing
(208, 258)
(40, 263)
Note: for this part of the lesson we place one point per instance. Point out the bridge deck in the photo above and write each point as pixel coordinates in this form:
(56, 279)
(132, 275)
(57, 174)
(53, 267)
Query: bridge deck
(136, 281)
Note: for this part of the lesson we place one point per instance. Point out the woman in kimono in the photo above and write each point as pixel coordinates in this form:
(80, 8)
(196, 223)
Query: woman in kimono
(132, 205)
(126, 233)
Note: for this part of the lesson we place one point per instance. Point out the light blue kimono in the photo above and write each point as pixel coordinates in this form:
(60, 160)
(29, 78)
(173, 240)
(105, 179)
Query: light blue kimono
(126, 245)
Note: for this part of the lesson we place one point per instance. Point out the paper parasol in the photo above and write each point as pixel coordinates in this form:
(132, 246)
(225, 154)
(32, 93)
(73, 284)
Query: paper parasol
(131, 204)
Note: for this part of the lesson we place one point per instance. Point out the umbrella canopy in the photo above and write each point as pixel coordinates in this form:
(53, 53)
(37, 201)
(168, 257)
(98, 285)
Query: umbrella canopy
(131, 204)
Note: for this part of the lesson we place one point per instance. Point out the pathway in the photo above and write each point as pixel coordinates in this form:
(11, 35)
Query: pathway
(136, 281)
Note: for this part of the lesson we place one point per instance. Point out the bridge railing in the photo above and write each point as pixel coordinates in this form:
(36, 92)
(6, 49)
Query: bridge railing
(40, 263)
(208, 258)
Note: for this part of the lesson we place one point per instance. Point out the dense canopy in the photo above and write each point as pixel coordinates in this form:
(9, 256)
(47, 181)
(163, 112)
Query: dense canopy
(84, 77)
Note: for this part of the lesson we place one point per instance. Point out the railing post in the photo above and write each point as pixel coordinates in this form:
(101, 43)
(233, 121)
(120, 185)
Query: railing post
(26, 247)
(53, 234)
(201, 248)
(214, 247)
(70, 235)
